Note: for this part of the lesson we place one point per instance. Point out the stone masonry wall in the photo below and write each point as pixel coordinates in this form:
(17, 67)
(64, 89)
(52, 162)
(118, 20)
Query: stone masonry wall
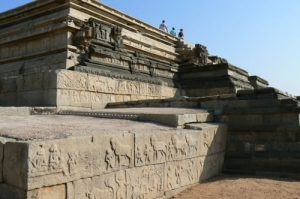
(113, 165)
(66, 88)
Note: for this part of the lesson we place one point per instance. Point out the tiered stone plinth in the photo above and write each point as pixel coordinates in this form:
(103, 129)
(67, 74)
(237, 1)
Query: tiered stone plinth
(75, 53)
(69, 157)
(264, 133)
(214, 79)
(72, 89)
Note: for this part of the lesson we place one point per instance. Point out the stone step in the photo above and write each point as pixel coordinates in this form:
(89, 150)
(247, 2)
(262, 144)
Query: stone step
(285, 167)
(256, 149)
(175, 117)
(277, 135)
(263, 93)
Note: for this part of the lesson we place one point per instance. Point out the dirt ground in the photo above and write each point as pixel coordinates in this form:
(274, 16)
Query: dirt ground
(239, 187)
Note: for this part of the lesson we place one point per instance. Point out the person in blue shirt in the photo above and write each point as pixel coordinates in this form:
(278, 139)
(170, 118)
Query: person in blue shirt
(180, 34)
(173, 32)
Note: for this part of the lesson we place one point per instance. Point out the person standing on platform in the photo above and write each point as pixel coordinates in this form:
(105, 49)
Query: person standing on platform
(180, 34)
(163, 26)
(173, 32)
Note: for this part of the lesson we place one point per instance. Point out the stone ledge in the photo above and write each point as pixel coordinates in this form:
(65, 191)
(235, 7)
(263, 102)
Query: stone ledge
(175, 117)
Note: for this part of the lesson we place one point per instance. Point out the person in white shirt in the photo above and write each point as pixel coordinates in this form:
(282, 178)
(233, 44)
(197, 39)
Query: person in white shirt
(163, 26)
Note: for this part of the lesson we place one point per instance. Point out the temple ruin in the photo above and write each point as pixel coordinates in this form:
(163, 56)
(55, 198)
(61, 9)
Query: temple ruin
(97, 104)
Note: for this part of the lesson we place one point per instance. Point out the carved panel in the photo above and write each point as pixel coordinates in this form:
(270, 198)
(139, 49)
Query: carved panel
(136, 183)
(101, 84)
(182, 173)
(73, 98)
(72, 80)
(63, 161)
(154, 90)
(155, 149)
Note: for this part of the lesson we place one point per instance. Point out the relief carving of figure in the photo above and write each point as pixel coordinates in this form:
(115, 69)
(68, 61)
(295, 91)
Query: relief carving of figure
(192, 144)
(155, 180)
(139, 158)
(132, 87)
(148, 183)
(54, 158)
(39, 162)
(178, 170)
(100, 31)
(171, 151)
(122, 152)
(118, 185)
(97, 31)
(159, 149)
(116, 35)
(190, 170)
(180, 146)
(122, 189)
(103, 33)
(72, 163)
(110, 159)
(169, 177)
(148, 153)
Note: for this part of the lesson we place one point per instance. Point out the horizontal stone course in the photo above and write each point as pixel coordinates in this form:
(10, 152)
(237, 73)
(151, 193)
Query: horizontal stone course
(282, 167)
(70, 88)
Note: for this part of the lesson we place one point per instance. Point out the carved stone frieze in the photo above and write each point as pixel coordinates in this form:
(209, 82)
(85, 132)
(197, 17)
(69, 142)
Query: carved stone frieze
(154, 149)
(182, 173)
(63, 161)
(136, 183)
(102, 45)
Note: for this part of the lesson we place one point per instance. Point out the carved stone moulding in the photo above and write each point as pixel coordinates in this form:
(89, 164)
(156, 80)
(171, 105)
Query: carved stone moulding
(102, 43)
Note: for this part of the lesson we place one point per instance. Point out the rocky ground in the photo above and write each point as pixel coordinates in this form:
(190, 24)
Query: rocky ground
(237, 187)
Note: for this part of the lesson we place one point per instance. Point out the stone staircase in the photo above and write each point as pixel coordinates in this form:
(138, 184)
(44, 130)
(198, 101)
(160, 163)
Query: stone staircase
(264, 134)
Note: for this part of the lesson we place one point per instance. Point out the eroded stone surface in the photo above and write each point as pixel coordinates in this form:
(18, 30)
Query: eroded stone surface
(145, 182)
(213, 137)
(54, 126)
(61, 161)
(93, 160)
(182, 173)
(154, 148)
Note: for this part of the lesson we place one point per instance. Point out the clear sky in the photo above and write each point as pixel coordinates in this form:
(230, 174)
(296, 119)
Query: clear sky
(260, 36)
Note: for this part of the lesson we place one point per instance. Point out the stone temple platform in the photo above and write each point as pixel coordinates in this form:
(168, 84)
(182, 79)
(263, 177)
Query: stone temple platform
(75, 157)
(96, 104)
